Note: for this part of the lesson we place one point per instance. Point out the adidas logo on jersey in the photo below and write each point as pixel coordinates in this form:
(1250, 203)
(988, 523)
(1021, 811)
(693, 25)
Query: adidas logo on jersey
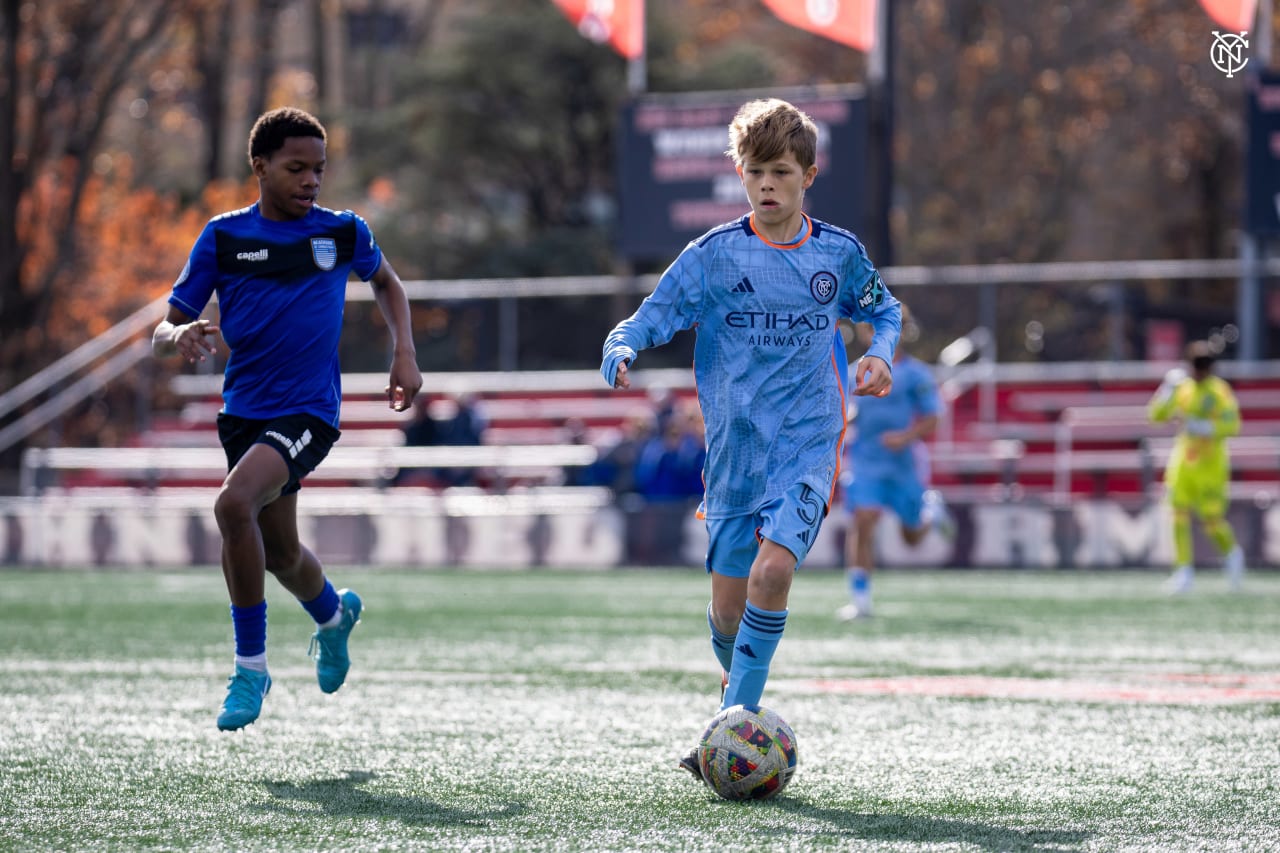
(258, 255)
(743, 286)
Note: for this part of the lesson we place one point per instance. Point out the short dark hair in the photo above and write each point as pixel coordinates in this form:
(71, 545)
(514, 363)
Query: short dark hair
(1201, 355)
(272, 129)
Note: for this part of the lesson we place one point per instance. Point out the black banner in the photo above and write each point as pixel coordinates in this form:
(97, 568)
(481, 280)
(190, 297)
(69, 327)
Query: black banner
(676, 182)
(1262, 174)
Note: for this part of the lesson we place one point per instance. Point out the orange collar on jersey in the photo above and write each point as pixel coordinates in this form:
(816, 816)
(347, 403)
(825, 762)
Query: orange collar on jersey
(808, 232)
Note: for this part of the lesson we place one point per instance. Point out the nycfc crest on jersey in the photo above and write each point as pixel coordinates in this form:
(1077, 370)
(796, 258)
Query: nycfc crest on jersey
(324, 251)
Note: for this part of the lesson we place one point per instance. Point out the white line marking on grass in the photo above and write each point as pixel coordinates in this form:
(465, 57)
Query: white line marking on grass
(1186, 688)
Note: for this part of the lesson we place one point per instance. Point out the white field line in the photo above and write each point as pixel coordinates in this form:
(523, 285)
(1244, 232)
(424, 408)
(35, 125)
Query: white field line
(1150, 688)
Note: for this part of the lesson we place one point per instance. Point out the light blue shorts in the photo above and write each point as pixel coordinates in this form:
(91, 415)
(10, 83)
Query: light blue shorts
(792, 521)
(900, 492)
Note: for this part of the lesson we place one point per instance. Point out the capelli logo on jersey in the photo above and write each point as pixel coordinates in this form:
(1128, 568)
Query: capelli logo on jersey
(257, 255)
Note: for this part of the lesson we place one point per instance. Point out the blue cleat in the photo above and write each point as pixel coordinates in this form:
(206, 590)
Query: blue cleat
(245, 691)
(329, 645)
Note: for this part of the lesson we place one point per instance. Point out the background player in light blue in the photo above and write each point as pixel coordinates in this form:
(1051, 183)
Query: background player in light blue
(765, 293)
(888, 466)
(280, 269)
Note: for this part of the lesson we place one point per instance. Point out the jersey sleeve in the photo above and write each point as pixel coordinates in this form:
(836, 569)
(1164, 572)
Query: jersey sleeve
(196, 282)
(368, 256)
(865, 299)
(673, 306)
(1226, 422)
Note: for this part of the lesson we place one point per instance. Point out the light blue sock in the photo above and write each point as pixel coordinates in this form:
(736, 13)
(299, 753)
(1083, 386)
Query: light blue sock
(758, 637)
(859, 581)
(721, 644)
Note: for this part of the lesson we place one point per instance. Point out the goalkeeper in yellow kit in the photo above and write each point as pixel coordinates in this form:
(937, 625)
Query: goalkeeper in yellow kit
(1199, 470)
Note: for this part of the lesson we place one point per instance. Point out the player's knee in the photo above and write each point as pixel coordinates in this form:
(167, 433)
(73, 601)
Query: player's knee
(233, 511)
(725, 616)
(914, 535)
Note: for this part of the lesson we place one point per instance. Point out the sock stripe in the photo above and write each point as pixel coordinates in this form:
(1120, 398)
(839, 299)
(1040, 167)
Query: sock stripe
(764, 621)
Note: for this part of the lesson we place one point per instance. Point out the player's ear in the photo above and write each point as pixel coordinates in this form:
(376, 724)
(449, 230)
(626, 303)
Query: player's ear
(259, 165)
(809, 174)
(738, 169)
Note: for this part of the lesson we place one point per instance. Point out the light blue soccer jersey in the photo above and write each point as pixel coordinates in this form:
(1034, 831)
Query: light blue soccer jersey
(769, 383)
(281, 293)
(914, 395)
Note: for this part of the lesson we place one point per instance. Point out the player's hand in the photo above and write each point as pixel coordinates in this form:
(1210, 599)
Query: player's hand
(404, 383)
(897, 440)
(194, 340)
(1199, 427)
(621, 379)
(873, 377)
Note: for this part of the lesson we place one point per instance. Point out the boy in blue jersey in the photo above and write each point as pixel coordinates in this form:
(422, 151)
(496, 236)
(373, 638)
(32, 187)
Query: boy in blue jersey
(890, 471)
(280, 270)
(765, 293)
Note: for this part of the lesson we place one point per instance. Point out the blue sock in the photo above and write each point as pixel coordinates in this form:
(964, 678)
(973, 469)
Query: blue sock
(250, 625)
(859, 581)
(758, 637)
(721, 644)
(324, 605)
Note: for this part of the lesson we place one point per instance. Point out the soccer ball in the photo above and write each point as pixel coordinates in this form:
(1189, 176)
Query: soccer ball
(747, 753)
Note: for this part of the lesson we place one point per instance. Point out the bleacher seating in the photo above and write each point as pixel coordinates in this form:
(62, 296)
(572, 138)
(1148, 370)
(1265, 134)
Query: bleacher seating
(1056, 437)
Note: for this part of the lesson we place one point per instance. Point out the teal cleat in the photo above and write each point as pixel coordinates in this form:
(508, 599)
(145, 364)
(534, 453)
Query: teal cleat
(329, 645)
(245, 691)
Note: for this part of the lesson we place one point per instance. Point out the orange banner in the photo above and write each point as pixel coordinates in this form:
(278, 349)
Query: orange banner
(618, 23)
(1235, 15)
(851, 22)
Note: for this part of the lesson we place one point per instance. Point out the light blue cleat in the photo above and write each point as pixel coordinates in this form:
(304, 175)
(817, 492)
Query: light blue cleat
(245, 691)
(329, 645)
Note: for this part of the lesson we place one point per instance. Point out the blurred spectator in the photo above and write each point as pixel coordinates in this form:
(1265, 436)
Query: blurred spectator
(616, 467)
(670, 464)
(422, 431)
(459, 422)
(456, 421)
(575, 432)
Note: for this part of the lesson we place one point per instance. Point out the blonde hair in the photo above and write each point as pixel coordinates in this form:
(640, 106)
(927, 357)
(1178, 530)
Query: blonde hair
(766, 129)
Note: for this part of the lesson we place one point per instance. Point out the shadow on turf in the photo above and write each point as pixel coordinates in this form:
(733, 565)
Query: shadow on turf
(891, 827)
(343, 797)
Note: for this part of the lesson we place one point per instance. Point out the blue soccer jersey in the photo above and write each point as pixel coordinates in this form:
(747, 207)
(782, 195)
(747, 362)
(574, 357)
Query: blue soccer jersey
(914, 396)
(281, 293)
(769, 383)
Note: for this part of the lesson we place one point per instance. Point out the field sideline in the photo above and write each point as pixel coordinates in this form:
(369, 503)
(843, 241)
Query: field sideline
(533, 710)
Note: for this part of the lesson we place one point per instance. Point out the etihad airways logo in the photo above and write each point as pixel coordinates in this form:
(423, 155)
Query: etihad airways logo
(782, 321)
(258, 255)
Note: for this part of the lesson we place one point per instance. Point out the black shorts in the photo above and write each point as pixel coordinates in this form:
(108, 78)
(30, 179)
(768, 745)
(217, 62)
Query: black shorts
(303, 440)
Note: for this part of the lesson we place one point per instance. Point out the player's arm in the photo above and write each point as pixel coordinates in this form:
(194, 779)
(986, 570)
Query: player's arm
(181, 335)
(405, 379)
(1163, 406)
(673, 306)
(873, 303)
(1226, 421)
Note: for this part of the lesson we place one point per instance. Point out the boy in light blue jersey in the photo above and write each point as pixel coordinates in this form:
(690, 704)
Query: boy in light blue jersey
(280, 270)
(888, 469)
(765, 294)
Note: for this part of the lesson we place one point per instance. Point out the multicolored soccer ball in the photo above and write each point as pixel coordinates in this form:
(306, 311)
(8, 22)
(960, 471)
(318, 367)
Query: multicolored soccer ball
(747, 753)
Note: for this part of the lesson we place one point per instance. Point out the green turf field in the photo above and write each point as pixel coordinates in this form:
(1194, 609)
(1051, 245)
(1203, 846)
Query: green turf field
(544, 711)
